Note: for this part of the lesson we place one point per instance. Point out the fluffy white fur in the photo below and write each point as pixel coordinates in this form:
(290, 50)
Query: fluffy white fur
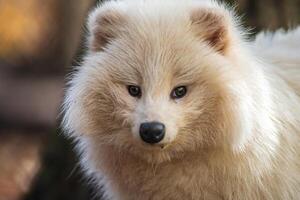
(236, 135)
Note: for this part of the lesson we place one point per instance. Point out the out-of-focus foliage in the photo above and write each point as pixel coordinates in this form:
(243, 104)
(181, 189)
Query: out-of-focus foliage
(40, 35)
(60, 177)
(37, 42)
(268, 14)
(23, 26)
(18, 168)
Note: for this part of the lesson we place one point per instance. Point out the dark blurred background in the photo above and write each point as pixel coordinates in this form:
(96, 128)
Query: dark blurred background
(39, 42)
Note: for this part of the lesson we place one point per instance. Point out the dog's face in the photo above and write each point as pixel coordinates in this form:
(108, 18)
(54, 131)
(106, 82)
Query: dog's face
(156, 86)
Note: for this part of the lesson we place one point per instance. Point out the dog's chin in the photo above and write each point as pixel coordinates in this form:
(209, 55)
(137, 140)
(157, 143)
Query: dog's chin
(152, 153)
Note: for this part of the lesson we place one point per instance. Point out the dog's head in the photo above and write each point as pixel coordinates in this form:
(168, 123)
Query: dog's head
(161, 79)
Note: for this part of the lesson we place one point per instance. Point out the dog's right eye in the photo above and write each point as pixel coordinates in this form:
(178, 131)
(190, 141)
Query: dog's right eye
(134, 90)
(178, 92)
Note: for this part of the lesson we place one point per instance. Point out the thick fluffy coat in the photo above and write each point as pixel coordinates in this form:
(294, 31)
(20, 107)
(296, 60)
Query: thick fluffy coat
(235, 135)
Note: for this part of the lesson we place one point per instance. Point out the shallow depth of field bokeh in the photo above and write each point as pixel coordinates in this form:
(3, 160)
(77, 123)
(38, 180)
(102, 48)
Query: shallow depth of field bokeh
(39, 42)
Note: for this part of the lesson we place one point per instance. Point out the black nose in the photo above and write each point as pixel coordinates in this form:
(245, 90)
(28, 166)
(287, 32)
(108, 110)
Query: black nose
(152, 132)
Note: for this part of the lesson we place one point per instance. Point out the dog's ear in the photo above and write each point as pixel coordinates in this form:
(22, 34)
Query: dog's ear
(212, 26)
(103, 26)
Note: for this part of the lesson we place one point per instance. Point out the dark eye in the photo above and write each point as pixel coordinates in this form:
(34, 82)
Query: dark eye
(134, 90)
(178, 92)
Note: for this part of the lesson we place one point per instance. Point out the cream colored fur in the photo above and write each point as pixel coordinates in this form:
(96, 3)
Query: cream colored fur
(235, 135)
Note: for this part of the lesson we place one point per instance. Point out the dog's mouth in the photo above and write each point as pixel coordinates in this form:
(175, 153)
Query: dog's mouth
(155, 147)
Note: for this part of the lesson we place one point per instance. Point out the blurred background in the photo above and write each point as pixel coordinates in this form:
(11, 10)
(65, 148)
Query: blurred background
(39, 42)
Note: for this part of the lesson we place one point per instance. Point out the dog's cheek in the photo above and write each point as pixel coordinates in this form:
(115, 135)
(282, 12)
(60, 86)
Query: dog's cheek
(197, 126)
(103, 108)
(100, 110)
(125, 109)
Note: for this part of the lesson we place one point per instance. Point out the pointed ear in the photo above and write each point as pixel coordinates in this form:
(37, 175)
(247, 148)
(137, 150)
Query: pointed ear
(103, 26)
(212, 26)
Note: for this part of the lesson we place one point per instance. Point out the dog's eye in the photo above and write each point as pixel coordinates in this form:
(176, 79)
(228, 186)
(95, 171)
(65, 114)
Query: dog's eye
(134, 90)
(178, 92)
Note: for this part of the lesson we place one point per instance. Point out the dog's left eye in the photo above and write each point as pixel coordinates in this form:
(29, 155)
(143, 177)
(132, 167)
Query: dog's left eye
(134, 90)
(178, 92)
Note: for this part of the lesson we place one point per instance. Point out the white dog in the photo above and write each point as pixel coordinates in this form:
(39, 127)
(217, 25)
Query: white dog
(172, 103)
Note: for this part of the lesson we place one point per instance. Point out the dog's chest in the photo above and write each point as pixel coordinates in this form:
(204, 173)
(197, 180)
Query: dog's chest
(192, 180)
